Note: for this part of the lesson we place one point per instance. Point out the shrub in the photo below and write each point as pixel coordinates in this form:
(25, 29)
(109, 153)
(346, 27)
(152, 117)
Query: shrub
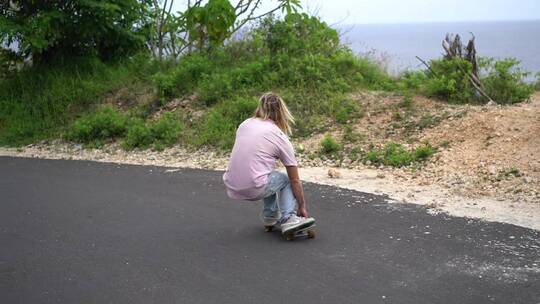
(423, 152)
(330, 145)
(299, 56)
(215, 87)
(395, 155)
(166, 131)
(504, 81)
(185, 76)
(372, 156)
(138, 135)
(218, 126)
(298, 34)
(450, 80)
(162, 133)
(412, 80)
(38, 102)
(106, 123)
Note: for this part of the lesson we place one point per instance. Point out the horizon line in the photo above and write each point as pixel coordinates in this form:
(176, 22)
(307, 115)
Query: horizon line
(433, 21)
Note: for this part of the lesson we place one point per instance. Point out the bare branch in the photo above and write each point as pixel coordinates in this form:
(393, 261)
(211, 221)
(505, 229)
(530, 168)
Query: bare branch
(427, 65)
(250, 17)
(246, 7)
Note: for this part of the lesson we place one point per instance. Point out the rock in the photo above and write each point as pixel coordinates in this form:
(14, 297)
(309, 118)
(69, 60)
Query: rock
(380, 175)
(491, 103)
(492, 170)
(333, 173)
(431, 206)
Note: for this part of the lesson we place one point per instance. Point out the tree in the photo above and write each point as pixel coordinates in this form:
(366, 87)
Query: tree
(209, 25)
(47, 30)
(245, 10)
(162, 25)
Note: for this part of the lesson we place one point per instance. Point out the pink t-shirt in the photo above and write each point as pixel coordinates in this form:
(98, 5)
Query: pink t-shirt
(259, 144)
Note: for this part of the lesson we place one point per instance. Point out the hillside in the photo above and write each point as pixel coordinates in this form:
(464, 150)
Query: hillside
(487, 160)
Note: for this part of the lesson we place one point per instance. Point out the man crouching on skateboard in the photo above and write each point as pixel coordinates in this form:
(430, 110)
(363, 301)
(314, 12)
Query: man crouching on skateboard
(260, 141)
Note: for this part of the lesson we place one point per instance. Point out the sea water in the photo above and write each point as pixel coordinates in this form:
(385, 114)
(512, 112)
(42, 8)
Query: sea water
(396, 45)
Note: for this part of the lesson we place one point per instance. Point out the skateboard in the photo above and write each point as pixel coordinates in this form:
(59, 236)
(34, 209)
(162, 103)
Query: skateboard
(308, 232)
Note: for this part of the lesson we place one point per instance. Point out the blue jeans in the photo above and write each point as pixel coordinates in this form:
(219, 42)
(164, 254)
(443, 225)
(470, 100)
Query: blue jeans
(278, 198)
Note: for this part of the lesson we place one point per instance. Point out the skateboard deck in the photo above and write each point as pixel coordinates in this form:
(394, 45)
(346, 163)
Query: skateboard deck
(307, 232)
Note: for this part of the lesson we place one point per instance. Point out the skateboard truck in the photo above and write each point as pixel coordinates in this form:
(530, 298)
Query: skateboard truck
(290, 236)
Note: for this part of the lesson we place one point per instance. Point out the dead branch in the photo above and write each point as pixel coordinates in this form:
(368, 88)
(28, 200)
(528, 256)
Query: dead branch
(454, 48)
(427, 65)
(250, 16)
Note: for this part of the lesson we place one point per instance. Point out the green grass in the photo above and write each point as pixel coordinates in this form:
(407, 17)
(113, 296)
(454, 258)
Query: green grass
(97, 127)
(314, 74)
(449, 80)
(218, 126)
(329, 145)
(300, 58)
(39, 102)
(106, 125)
(350, 136)
(160, 134)
(396, 155)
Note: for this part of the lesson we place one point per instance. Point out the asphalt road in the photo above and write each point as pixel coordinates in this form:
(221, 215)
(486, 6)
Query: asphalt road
(85, 232)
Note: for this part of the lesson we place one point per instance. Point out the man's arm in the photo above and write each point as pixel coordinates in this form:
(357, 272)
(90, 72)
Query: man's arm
(298, 191)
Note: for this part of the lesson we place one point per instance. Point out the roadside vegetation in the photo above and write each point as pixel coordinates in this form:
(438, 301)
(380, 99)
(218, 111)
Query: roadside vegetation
(67, 89)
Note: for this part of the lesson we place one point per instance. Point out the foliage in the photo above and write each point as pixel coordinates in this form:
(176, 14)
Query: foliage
(299, 57)
(504, 81)
(184, 77)
(298, 34)
(8, 63)
(450, 80)
(107, 124)
(96, 127)
(412, 80)
(423, 152)
(48, 30)
(330, 145)
(395, 155)
(210, 24)
(218, 126)
(138, 135)
(166, 130)
(163, 133)
(38, 102)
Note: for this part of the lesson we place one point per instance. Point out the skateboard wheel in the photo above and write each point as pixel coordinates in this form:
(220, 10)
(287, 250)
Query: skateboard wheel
(311, 234)
(289, 237)
(268, 228)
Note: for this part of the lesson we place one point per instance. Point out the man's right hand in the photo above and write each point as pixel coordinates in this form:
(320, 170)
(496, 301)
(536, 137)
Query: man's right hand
(302, 211)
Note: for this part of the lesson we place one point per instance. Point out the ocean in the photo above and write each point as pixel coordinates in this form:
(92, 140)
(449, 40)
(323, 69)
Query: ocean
(396, 45)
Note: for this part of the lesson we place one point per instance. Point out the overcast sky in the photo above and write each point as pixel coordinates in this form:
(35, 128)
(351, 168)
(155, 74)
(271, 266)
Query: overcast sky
(399, 11)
